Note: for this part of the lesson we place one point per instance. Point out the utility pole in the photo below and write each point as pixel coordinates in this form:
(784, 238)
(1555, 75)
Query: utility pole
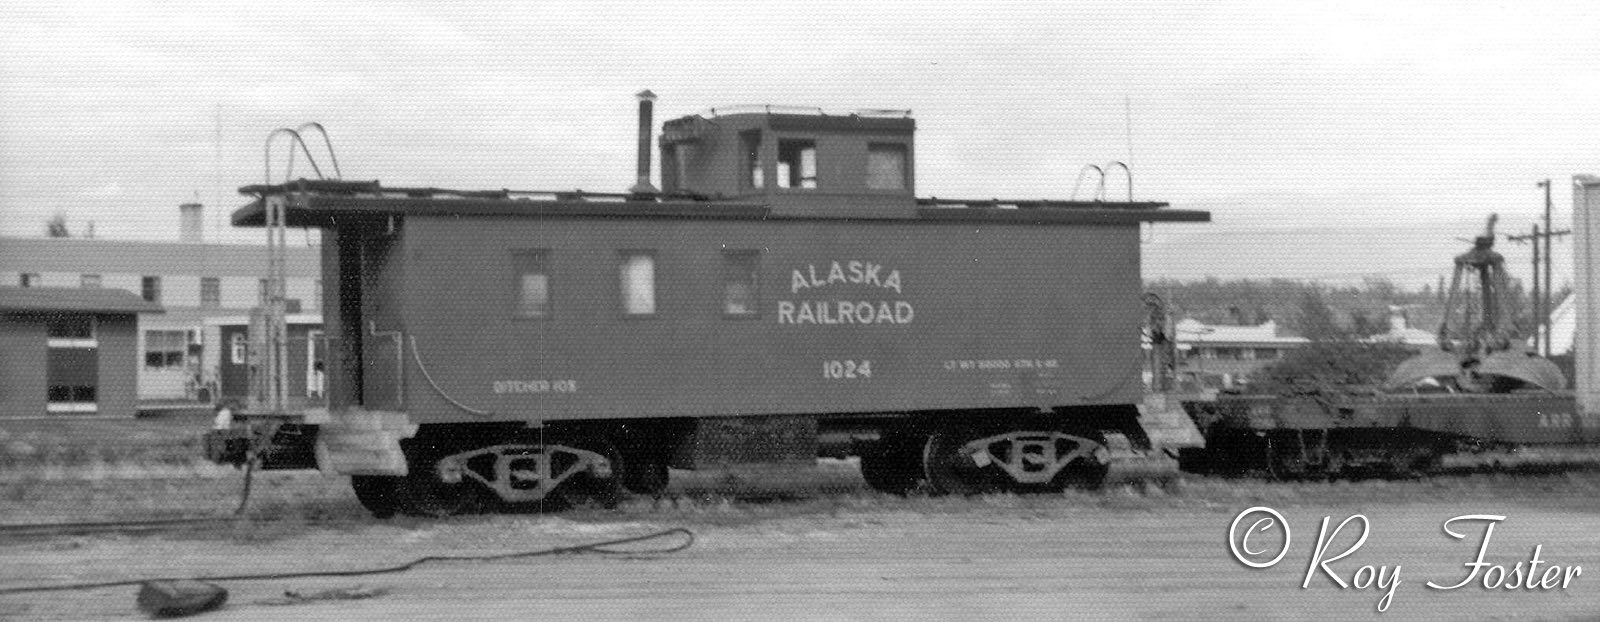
(1543, 296)
(1538, 301)
(1543, 323)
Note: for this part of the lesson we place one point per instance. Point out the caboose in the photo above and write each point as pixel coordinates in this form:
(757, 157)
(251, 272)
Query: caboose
(784, 283)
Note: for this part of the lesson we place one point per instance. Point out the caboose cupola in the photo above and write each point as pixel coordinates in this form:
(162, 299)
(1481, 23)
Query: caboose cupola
(798, 161)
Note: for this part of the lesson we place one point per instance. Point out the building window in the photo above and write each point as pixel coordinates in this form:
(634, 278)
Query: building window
(89, 281)
(150, 288)
(638, 283)
(886, 166)
(210, 292)
(238, 349)
(532, 268)
(29, 279)
(164, 349)
(739, 282)
(797, 164)
(754, 176)
(1266, 354)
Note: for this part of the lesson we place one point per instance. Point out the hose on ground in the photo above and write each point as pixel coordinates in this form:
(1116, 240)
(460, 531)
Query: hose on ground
(593, 547)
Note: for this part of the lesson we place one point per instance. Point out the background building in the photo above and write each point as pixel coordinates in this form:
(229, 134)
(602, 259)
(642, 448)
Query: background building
(178, 353)
(1221, 356)
(69, 351)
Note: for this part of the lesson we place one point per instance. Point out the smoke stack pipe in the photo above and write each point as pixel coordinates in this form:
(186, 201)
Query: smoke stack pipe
(646, 110)
(190, 229)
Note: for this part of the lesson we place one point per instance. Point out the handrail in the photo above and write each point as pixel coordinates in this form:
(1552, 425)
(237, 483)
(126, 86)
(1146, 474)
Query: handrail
(295, 139)
(326, 143)
(1126, 171)
(1079, 183)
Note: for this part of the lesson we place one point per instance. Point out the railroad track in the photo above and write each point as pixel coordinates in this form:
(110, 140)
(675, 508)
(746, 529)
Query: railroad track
(22, 531)
(28, 530)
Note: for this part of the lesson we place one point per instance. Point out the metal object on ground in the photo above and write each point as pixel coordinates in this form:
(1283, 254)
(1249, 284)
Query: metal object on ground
(176, 598)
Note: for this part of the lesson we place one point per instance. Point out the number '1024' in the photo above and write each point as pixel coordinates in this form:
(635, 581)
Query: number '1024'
(846, 369)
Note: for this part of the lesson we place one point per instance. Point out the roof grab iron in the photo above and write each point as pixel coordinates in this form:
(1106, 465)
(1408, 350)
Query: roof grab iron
(1100, 179)
(295, 139)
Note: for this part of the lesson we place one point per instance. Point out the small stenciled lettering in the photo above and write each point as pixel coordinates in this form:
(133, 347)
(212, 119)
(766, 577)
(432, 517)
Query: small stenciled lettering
(1000, 364)
(535, 386)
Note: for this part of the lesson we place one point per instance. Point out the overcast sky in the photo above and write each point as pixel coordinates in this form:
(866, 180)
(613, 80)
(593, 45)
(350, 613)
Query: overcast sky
(1309, 129)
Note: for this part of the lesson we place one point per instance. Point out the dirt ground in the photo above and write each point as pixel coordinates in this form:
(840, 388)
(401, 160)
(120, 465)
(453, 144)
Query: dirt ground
(1130, 552)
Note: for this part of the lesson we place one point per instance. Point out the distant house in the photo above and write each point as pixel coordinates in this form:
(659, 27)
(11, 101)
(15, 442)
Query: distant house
(69, 351)
(1220, 356)
(179, 353)
(1401, 332)
(1563, 326)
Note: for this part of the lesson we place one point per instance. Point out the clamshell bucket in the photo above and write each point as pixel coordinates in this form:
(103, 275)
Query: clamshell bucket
(1526, 367)
(1429, 364)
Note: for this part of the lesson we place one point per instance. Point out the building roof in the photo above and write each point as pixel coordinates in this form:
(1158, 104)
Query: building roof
(89, 300)
(1191, 331)
(109, 256)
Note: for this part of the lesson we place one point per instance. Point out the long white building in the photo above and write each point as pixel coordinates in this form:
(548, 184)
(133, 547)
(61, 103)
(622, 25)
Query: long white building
(179, 352)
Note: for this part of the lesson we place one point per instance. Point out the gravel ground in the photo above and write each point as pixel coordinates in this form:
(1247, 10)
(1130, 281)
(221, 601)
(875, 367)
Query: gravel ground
(1130, 552)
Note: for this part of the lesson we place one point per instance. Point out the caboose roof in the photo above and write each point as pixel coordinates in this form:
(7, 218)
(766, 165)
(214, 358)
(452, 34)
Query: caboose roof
(316, 203)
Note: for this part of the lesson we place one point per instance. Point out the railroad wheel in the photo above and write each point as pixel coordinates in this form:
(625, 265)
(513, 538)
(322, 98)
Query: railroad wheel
(952, 471)
(645, 476)
(893, 464)
(379, 494)
(1087, 472)
(587, 488)
(424, 492)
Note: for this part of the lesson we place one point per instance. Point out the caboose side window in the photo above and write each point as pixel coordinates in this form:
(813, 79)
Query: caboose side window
(797, 164)
(638, 283)
(532, 269)
(739, 271)
(750, 140)
(886, 166)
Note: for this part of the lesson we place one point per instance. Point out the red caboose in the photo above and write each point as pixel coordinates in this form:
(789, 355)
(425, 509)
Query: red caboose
(509, 346)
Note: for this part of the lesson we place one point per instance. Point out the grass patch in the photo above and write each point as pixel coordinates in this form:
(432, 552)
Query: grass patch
(68, 443)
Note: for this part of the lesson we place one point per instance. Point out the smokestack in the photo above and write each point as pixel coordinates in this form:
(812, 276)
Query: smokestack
(190, 225)
(646, 110)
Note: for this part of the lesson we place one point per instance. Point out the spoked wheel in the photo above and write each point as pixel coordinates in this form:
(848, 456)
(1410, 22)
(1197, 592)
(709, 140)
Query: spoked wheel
(893, 464)
(379, 494)
(950, 470)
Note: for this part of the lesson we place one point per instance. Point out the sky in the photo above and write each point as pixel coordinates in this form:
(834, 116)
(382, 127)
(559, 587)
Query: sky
(1330, 140)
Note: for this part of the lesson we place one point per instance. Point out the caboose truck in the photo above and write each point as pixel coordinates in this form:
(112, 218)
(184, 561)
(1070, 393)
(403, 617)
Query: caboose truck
(505, 348)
